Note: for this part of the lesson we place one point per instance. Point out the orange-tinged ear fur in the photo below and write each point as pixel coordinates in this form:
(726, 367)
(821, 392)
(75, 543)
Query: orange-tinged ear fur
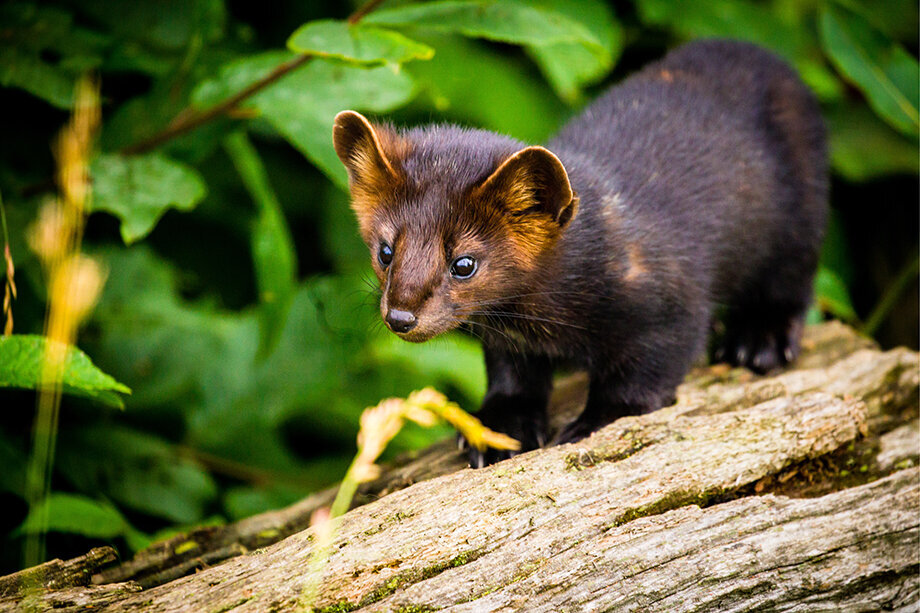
(533, 188)
(363, 150)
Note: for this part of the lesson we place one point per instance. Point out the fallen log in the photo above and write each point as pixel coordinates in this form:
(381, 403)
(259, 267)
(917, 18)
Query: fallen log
(797, 491)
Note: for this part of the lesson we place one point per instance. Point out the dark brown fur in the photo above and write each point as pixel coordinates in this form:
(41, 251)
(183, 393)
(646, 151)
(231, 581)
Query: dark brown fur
(699, 182)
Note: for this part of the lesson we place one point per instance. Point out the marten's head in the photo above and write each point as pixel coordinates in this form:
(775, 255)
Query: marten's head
(457, 221)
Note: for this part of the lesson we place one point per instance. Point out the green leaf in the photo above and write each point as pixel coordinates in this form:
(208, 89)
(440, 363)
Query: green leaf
(137, 470)
(744, 20)
(231, 407)
(139, 189)
(864, 147)
(472, 83)
(896, 18)
(510, 21)
(832, 297)
(356, 43)
(42, 52)
(21, 362)
(164, 24)
(887, 74)
(73, 514)
(272, 247)
(570, 66)
(303, 104)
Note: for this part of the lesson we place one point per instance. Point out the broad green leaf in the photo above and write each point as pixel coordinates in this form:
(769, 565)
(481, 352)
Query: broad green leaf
(356, 43)
(882, 69)
(321, 372)
(831, 295)
(510, 21)
(570, 66)
(272, 247)
(232, 406)
(749, 21)
(864, 147)
(74, 514)
(43, 52)
(21, 363)
(472, 83)
(139, 189)
(303, 104)
(137, 470)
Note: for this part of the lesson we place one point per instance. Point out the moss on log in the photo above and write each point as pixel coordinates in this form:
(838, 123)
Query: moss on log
(797, 491)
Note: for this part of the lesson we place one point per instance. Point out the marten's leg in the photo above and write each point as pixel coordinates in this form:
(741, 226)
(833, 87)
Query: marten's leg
(515, 402)
(643, 375)
(764, 323)
(762, 337)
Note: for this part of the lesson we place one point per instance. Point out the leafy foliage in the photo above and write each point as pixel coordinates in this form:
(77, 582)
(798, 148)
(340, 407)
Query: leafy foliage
(23, 355)
(237, 305)
(357, 44)
(139, 189)
(881, 68)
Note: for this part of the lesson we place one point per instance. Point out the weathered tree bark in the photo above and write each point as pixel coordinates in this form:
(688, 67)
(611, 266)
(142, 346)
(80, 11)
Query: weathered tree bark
(795, 492)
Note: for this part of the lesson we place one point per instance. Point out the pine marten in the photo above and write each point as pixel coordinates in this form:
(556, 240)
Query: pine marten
(696, 187)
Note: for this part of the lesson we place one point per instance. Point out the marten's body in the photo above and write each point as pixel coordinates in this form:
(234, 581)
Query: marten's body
(700, 182)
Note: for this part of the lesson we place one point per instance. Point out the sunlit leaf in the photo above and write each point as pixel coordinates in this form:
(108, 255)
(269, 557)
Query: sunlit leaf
(571, 66)
(472, 83)
(356, 43)
(74, 514)
(510, 21)
(882, 69)
(139, 189)
(303, 104)
(21, 362)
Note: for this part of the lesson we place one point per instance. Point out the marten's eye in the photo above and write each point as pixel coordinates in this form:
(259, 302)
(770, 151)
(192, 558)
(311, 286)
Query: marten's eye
(385, 254)
(463, 267)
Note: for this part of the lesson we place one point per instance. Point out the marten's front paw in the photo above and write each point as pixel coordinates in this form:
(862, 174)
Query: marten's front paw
(762, 349)
(518, 418)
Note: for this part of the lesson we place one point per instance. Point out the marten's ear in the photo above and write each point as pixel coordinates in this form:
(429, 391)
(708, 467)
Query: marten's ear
(533, 180)
(371, 175)
(358, 146)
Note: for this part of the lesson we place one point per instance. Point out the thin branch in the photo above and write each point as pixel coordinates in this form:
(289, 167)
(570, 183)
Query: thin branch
(363, 10)
(186, 122)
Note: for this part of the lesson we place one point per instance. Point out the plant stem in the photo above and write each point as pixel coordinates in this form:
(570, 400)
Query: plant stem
(186, 121)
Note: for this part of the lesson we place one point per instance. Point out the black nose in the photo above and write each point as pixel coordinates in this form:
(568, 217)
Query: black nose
(400, 321)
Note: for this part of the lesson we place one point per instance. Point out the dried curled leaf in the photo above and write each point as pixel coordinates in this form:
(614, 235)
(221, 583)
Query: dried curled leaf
(469, 426)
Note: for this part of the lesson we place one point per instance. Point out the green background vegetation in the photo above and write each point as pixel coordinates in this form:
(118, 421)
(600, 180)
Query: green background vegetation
(239, 305)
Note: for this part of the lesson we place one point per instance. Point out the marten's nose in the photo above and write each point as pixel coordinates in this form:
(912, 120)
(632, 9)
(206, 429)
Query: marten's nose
(400, 321)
